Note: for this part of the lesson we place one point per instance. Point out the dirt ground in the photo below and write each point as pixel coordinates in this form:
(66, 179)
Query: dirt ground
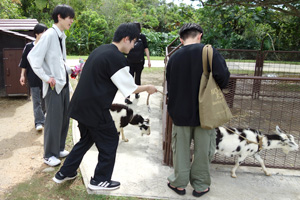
(21, 146)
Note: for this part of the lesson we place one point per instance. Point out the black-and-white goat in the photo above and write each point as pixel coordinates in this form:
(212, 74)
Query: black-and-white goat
(249, 142)
(123, 115)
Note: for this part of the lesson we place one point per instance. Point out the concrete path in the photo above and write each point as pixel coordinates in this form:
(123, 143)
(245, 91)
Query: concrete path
(140, 169)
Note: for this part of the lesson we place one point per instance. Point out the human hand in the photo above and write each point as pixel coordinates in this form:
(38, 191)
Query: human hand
(52, 82)
(151, 89)
(149, 63)
(22, 80)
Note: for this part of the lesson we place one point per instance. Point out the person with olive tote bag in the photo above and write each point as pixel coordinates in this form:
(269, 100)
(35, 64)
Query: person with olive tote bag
(213, 108)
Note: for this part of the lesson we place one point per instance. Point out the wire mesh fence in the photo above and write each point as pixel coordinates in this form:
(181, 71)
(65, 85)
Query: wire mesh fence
(263, 91)
(274, 101)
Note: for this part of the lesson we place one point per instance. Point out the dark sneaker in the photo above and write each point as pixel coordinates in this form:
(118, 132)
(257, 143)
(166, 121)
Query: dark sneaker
(60, 178)
(128, 101)
(137, 95)
(103, 185)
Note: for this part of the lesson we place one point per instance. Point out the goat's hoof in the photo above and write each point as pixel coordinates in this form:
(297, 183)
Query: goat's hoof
(268, 174)
(233, 176)
(126, 140)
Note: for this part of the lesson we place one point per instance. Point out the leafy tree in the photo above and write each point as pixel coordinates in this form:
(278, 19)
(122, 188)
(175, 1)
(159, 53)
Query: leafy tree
(86, 33)
(10, 9)
(290, 7)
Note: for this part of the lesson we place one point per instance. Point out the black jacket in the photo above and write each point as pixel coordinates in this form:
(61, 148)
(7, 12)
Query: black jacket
(184, 70)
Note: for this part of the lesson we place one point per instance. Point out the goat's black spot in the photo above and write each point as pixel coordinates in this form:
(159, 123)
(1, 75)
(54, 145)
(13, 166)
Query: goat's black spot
(269, 143)
(273, 137)
(240, 162)
(219, 136)
(251, 150)
(240, 156)
(231, 131)
(231, 155)
(238, 148)
(248, 149)
(242, 136)
(257, 139)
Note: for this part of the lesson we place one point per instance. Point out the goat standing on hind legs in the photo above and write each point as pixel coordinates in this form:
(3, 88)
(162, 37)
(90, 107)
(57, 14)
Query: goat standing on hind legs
(123, 115)
(249, 142)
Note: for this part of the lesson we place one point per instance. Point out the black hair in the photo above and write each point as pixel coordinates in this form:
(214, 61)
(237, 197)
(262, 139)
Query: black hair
(138, 25)
(39, 28)
(126, 29)
(190, 30)
(64, 11)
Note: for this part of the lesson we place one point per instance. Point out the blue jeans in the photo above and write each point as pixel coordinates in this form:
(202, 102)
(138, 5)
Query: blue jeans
(39, 117)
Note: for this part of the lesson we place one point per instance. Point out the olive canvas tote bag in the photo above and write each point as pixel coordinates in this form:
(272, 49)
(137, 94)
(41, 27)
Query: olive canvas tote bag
(213, 108)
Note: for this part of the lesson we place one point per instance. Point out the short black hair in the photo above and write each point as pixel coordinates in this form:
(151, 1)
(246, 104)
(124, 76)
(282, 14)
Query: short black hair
(190, 30)
(126, 29)
(39, 28)
(64, 11)
(138, 25)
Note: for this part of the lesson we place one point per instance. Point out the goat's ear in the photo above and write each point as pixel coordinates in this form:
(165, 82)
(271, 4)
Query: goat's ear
(278, 130)
(291, 137)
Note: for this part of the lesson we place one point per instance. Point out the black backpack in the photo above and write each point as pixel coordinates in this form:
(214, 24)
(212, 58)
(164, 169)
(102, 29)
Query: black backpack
(136, 55)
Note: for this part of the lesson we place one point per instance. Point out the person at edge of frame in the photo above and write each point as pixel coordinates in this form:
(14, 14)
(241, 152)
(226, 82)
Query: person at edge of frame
(35, 83)
(136, 60)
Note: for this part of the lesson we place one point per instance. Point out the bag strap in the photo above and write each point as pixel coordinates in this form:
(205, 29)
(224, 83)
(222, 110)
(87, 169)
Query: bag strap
(207, 50)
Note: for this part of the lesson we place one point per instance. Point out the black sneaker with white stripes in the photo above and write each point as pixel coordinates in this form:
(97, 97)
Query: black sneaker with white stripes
(103, 185)
(60, 178)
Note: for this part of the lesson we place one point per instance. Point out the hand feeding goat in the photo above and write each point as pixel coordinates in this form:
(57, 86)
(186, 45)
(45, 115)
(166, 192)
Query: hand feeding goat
(249, 142)
(123, 115)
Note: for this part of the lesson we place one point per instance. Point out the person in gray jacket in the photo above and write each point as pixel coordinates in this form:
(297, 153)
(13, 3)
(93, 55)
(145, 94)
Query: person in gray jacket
(47, 60)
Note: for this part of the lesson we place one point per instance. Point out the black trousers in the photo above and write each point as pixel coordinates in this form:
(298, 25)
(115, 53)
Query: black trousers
(106, 139)
(136, 71)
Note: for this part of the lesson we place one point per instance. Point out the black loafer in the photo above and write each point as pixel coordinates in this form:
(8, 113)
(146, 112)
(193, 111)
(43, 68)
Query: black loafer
(199, 194)
(180, 192)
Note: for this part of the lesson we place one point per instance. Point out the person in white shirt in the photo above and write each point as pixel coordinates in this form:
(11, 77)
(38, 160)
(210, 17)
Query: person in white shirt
(47, 60)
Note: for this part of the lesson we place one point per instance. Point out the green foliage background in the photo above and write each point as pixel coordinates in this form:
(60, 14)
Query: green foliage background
(226, 27)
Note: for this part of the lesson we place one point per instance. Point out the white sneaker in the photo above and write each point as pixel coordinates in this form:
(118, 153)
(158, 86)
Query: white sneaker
(39, 127)
(52, 161)
(63, 153)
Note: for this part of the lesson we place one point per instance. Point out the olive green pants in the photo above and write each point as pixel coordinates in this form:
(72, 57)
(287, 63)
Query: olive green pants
(197, 172)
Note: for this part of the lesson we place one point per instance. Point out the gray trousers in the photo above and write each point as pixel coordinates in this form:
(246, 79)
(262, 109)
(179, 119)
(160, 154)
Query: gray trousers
(197, 172)
(57, 122)
(37, 102)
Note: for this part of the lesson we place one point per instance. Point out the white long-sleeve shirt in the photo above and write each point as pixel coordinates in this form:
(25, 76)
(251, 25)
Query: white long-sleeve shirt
(47, 60)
